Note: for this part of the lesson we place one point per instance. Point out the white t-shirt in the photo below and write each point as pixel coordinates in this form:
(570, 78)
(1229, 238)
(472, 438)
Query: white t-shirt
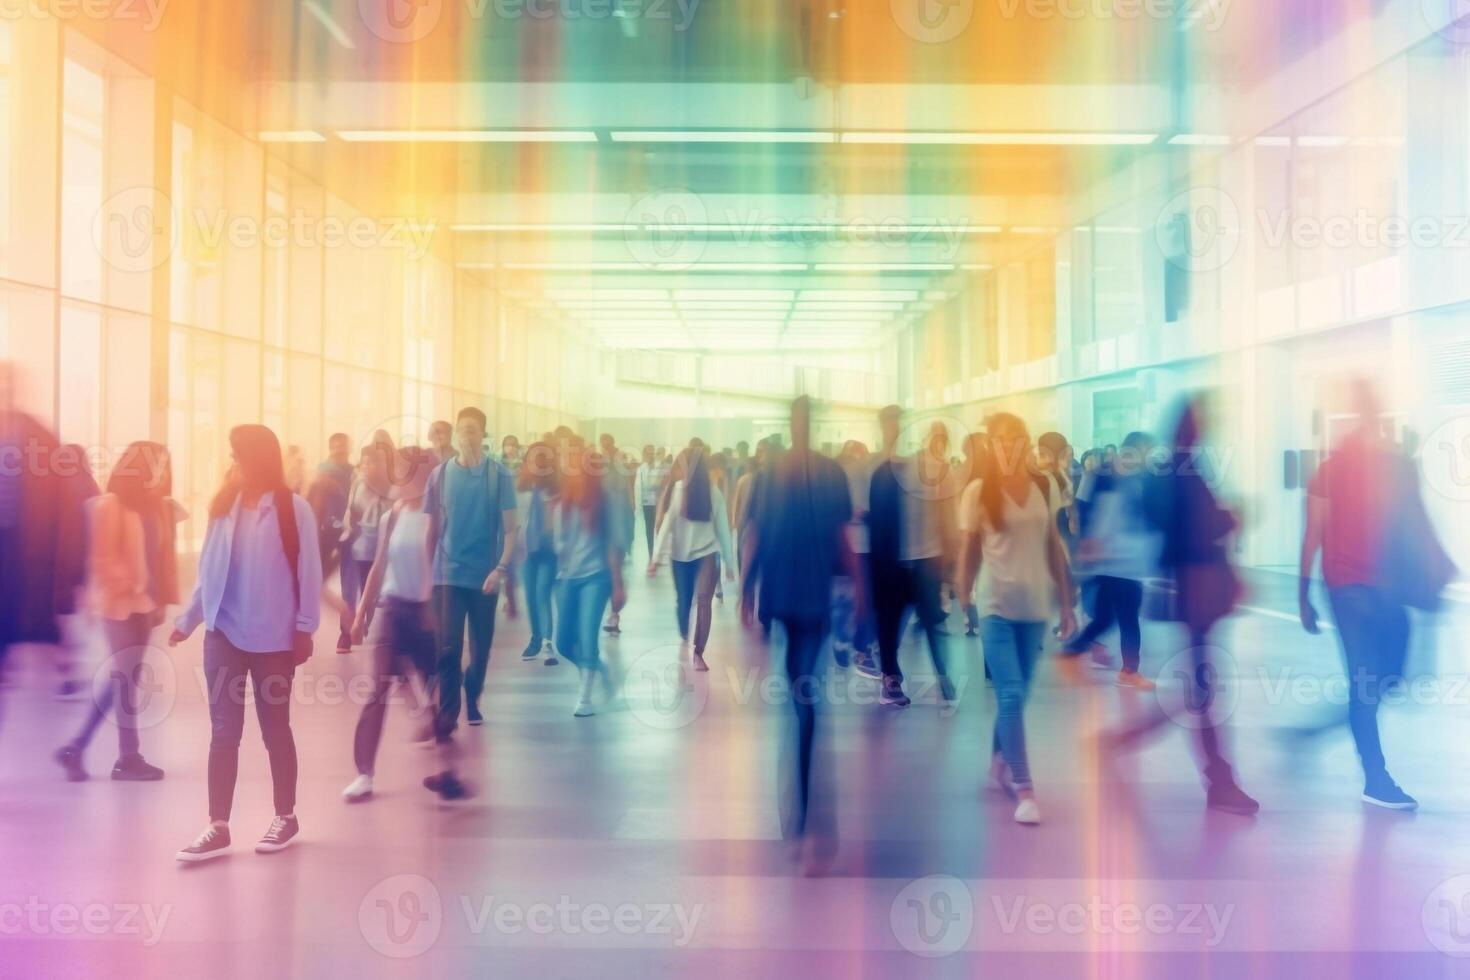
(1015, 579)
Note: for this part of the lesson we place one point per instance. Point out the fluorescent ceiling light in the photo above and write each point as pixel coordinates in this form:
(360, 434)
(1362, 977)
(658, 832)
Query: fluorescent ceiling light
(723, 136)
(741, 294)
(883, 266)
(607, 294)
(290, 136)
(548, 229)
(1031, 230)
(467, 135)
(735, 267)
(854, 295)
(1001, 139)
(807, 307)
(976, 267)
(576, 266)
(705, 305)
(1273, 140)
(1321, 141)
(617, 304)
(1199, 139)
(714, 316)
(625, 314)
(332, 27)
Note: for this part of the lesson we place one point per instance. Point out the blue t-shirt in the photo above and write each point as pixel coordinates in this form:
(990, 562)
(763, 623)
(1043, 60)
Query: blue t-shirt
(469, 502)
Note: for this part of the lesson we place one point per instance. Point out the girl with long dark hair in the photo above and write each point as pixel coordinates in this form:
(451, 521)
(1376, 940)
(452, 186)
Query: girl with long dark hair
(132, 576)
(1023, 582)
(258, 595)
(695, 534)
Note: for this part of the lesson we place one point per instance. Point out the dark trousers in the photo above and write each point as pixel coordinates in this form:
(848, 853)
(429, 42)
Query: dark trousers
(650, 511)
(1200, 685)
(1374, 633)
(695, 581)
(1117, 602)
(119, 691)
(804, 643)
(404, 643)
(897, 587)
(225, 670)
(454, 607)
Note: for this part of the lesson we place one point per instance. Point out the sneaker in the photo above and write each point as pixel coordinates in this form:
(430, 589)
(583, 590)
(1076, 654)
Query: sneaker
(278, 835)
(136, 769)
(551, 660)
(212, 843)
(71, 760)
(842, 653)
(893, 694)
(864, 663)
(971, 631)
(1101, 659)
(612, 627)
(685, 650)
(359, 789)
(1387, 794)
(1230, 798)
(946, 689)
(583, 708)
(447, 785)
(1135, 680)
(344, 643)
(533, 649)
(699, 663)
(1028, 813)
(473, 716)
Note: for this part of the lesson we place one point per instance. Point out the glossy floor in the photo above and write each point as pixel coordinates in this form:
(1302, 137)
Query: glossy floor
(646, 840)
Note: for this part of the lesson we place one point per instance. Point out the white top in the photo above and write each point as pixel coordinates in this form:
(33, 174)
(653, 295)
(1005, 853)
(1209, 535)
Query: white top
(409, 575)
(923, 494)
(1015, 579)
(646, 483)
(689, 540)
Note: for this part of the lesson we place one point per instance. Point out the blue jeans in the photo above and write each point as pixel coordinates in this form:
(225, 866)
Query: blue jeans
(1011, 651)
(579, 606)
(539, 573)
(847, 626)
(1374, 632)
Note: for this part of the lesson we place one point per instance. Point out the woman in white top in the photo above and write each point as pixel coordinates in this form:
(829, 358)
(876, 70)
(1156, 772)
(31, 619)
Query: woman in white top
(1010, 514)
(401, 574)
(695, 534)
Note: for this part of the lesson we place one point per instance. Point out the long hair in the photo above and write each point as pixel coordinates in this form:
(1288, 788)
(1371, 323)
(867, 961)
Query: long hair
(696, 486)
(143, 476)
(258, 466)
(995, 469)
(538, 469)
(582, 487)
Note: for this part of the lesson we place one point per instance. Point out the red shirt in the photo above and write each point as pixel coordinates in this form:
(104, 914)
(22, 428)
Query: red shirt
(1354, 480)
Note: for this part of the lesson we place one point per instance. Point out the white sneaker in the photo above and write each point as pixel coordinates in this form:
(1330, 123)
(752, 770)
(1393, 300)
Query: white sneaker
(550, 651)
(685, 650)
(584, 698)
(1027, 812)
(358, 790)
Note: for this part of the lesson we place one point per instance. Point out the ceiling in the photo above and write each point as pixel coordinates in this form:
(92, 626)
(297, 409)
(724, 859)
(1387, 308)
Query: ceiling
(719, 174)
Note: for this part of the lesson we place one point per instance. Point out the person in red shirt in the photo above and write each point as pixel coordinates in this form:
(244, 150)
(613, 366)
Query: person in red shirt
(1350, 502)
